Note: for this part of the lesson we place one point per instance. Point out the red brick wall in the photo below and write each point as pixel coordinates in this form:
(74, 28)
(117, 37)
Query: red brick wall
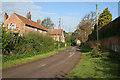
(112, 43)
(20, 26)
(15, 20)
(29, 29)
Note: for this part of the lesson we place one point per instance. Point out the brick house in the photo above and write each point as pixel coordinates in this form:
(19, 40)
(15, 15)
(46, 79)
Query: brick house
(19, 24)
(57, 34)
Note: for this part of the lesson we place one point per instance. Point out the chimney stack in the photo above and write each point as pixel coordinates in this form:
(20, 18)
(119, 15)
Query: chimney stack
(52, 27)
(38, 21)
(29, 16)
(5, 16)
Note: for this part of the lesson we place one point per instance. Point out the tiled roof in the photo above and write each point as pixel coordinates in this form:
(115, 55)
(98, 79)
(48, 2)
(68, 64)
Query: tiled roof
(30, 22)
(55, 31)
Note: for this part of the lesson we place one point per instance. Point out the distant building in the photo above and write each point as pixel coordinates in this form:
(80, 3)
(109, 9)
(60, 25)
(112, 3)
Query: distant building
(57, 34)
(78, 42)
(70, 33)
(22, 25)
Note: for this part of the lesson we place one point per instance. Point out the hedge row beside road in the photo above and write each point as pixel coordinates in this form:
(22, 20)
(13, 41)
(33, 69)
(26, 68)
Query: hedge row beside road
(109, 30)
(16, 47)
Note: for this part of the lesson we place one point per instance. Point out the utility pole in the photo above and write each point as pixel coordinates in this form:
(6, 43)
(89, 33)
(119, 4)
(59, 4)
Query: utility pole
(59, 29)
(97, 20)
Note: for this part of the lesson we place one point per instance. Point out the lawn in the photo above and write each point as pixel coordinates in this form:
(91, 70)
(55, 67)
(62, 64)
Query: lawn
(106, 66)
(10, 63)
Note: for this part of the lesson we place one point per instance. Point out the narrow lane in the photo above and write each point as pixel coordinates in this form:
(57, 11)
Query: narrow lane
(56, 66)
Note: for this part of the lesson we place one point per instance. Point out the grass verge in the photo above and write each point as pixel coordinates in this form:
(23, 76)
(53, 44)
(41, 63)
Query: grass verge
(11, 63)
(106, 66)
(63, 48)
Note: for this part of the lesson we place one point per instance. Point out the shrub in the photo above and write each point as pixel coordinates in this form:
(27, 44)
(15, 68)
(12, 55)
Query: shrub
(96, 52)
(29, 45)
(68, 44)
(59, 44)
(8, 41)
(85, 47)
(109, 30)
(34, 43)
(73, 43)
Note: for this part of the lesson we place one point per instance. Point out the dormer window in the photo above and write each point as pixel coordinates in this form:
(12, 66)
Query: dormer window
(11, 26)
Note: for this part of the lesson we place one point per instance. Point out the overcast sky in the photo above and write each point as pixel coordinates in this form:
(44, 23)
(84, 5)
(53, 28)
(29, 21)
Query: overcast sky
(70, 13)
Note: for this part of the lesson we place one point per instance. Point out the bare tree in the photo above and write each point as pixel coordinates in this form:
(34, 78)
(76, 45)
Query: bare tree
(84, 28)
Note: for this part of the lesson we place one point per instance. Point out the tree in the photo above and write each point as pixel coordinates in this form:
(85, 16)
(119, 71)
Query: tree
(85, 27)
(104, 18)
(47, 23)
(8, 40)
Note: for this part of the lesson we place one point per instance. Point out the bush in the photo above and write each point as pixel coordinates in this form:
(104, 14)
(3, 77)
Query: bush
(34, 43)
(96, 52)
(30, 45)
(109, 30)
(68, 44)
(8, 41)
(73, 43)
(85, 47)
(59, 44)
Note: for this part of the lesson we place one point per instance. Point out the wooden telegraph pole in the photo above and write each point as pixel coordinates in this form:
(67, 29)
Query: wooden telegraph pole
(59, 29)
(97, 20)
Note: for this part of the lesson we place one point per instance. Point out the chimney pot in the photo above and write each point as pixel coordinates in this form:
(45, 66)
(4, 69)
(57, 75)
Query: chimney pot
(29, 12)
(5, 16)
(29, 16)
(38, 21)
(52, 27)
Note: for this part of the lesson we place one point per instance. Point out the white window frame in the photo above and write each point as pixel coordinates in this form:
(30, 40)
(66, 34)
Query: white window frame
(20, 35)
(11, 26)
(35, 29)
(40, 31)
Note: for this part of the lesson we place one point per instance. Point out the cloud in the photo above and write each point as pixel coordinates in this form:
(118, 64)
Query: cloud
(60, 0)
(16, 0)
(23, 7)
(69, 24)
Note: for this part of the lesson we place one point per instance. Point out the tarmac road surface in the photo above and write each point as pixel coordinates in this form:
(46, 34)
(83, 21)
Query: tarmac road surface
(56, 66)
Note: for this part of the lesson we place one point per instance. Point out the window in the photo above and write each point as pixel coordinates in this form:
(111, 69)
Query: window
(20, 35)
(35, 29)
(40, 31)
(11, 26)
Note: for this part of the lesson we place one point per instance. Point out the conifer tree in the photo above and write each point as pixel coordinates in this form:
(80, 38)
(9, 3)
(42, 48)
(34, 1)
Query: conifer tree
(104, 18)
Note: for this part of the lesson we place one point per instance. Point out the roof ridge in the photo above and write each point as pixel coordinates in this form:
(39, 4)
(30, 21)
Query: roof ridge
(23, 17)
(30, 22)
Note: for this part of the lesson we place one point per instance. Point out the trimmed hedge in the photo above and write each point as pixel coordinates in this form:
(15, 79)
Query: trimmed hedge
(109, 30)
(30, 45)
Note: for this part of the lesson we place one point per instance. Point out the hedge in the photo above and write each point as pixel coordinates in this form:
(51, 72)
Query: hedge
(109, 30)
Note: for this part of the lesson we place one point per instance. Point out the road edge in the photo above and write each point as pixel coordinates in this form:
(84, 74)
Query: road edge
(16, 65)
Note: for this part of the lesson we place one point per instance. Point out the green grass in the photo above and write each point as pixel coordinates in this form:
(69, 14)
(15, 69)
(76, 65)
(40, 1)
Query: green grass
(27, 59)
(106, 66)
(62, 48)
